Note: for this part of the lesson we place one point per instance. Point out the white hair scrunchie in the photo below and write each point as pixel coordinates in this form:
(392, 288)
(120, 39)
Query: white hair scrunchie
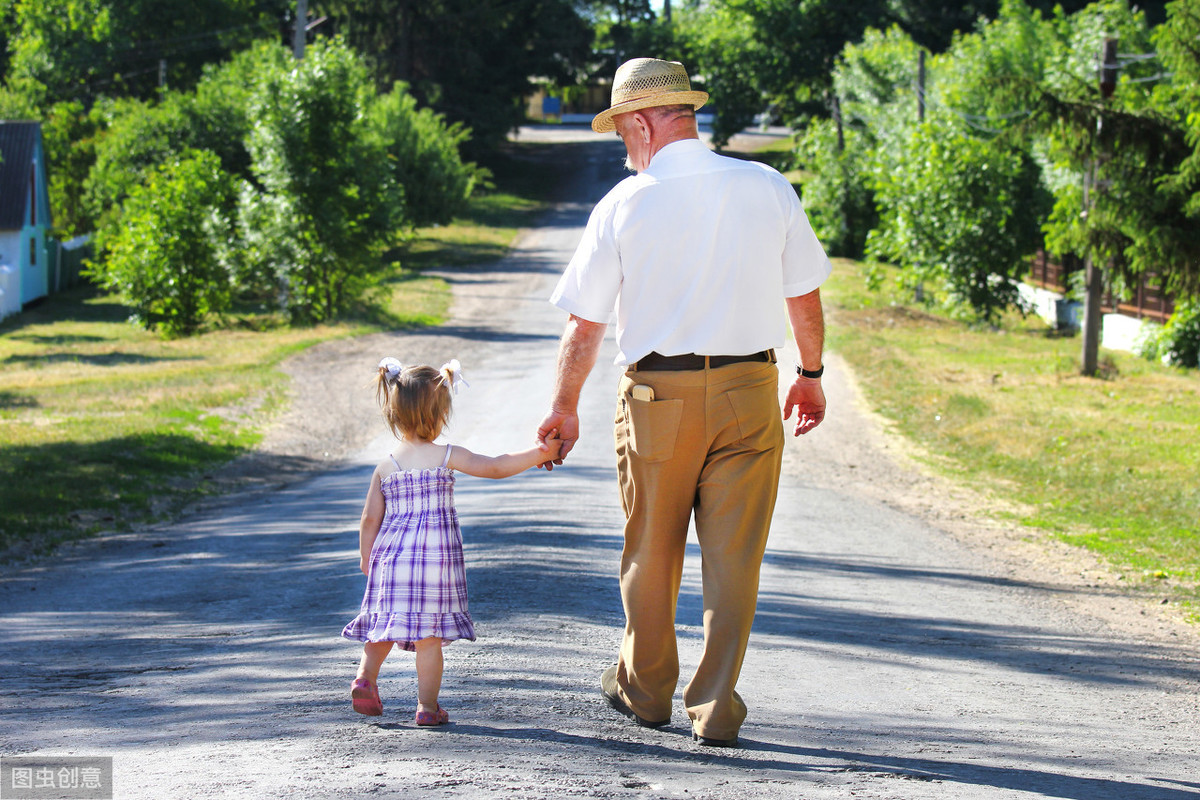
(454, 369)
(391, 366)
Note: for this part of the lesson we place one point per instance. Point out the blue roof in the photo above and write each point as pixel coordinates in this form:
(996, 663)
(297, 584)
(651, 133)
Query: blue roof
(18, 140)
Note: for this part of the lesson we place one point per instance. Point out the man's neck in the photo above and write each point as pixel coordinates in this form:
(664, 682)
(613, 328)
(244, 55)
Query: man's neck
(678, 131)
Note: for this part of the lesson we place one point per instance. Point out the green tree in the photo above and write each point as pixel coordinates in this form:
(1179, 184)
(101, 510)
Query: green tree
(70, 133)
(1112, 158)
(1178, 44)
(423, 153)
(874, 83)
(955, 215)
(124, 139)
(81, 49)
(730, 58)
(470, 60)
(164, 256)
(325, 210)
(839, 197)
(626, 29)
(137, 136)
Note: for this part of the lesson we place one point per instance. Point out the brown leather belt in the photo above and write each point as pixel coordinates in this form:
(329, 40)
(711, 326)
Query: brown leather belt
(656, 361)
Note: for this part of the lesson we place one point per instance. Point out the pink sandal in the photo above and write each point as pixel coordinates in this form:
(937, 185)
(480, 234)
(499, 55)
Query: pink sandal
(429, 719)
(364, 697)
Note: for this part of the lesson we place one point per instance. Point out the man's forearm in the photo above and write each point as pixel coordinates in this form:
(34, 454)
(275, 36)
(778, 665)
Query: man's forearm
(808, 327)
(577, 354)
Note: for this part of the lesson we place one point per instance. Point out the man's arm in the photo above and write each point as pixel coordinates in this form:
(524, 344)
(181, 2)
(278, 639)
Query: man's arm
(577, 353)
(805, 394)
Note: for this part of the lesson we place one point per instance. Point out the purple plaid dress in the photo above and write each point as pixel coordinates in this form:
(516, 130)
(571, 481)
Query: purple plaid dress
(416, 581)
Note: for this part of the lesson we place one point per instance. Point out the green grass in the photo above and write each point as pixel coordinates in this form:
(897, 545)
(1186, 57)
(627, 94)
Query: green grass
(1110, 464)
(104, 425)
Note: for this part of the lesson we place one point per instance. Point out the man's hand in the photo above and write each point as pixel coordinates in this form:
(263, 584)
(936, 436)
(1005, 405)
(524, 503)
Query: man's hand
(808, 398)
(565, 427)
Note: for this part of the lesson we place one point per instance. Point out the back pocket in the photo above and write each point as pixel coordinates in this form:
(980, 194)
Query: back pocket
(759, 418)
(653, 427)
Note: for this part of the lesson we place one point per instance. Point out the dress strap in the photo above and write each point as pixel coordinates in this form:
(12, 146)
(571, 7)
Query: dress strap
(446, 460)
(395, 463)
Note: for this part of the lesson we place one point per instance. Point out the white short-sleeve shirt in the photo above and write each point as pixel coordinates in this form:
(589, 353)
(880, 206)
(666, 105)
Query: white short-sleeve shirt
(694, 255)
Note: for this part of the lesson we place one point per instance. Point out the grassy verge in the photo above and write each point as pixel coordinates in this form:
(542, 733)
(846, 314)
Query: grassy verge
(103, 425)
(1110, 464)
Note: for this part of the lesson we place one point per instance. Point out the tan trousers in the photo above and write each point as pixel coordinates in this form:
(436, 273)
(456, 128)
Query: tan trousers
(709, 443)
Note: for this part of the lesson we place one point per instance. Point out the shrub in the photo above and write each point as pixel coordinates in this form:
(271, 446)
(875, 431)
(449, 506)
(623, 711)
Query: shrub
(1178, 342)
(423, 154)
(838, 197)
(164, 254)
(327, 208)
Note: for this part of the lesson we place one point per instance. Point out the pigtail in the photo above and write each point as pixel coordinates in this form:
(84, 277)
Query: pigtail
(452, 377)
(387, 381)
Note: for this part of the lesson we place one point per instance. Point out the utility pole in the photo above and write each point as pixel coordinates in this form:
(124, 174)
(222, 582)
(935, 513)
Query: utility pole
(919, 290)
(300, 34)
(837, 118)
(667, 10)
(1093, 273)
(921, 85)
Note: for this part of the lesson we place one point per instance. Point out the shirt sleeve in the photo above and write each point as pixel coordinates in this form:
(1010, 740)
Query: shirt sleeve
(591, 282)
(805, 264)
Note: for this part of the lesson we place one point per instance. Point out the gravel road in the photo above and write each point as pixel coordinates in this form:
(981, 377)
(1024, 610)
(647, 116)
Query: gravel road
(906, 646)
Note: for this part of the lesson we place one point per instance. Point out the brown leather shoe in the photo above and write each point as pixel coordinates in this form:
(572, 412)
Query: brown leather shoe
(608, 689)
(708, 741)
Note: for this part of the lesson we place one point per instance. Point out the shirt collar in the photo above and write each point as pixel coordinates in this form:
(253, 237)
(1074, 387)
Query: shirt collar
(672, 153)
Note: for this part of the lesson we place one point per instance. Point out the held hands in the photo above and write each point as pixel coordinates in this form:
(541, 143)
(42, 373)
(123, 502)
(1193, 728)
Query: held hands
(551, 446)
(808, 398)
(557, 436)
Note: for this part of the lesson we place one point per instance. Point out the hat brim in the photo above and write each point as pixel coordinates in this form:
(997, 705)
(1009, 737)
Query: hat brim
(603, 122)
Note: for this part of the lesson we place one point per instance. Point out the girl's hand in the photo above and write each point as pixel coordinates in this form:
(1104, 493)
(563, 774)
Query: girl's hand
(564, 428)
(362, 564)
(553, 446)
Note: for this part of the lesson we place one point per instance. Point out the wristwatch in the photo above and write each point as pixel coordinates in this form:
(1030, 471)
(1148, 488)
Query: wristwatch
(810, 373)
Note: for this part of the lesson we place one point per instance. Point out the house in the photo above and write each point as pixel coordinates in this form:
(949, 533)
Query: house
(24, 216)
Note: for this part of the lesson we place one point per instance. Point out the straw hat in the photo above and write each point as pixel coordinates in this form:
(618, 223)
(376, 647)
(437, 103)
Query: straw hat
(645, 82)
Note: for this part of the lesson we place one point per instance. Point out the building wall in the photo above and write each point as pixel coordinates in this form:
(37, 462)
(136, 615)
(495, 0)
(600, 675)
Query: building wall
(10, 248)
(35, 264)
(10, 273)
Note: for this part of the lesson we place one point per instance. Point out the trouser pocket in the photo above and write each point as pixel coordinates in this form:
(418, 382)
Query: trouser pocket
(759, 419)
(653, 427)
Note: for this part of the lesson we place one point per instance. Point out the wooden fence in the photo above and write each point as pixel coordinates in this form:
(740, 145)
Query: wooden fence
(1148, 301)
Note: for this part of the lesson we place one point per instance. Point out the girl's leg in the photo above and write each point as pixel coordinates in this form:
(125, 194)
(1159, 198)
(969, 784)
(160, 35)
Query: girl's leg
(372, 659)
(429, 673)
(364, 692)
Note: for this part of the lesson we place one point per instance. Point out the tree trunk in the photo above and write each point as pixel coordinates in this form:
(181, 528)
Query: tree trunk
(1092, 315)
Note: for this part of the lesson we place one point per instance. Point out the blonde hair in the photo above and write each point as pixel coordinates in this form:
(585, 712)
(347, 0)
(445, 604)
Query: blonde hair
(415, 401)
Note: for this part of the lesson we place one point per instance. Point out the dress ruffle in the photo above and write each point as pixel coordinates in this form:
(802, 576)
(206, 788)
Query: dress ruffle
(408, 629)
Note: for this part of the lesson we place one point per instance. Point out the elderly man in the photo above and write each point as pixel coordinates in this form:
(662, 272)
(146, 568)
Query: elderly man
(699, 255)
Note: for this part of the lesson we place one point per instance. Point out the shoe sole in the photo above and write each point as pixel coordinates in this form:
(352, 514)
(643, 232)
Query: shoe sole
(708, 741)
(618, 705)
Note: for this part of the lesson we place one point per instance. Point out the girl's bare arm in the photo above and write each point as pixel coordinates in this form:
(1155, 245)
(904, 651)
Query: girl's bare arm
(463, 460)
(368, 525)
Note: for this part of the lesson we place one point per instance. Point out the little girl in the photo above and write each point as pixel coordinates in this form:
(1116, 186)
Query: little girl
(409, 539)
